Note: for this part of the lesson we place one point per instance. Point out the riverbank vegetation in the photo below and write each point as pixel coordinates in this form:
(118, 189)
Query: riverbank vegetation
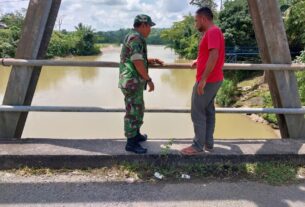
(116, 37)
(10, 33)
(82, 41)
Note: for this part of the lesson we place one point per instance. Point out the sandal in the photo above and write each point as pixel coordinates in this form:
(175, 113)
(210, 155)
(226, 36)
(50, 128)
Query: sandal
(191, 151)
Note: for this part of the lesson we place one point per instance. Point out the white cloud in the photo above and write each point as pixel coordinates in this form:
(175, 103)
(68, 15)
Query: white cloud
(174, 5)
(115, 14)
(110, 2)
(6, 6)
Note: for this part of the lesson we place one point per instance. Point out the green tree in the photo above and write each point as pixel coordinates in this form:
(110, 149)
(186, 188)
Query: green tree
(295, 26)
(114, 37)
(235, 21)
(183, 37)
(61, 44)
(81, 42)
(226, 95)
(15, 19)
(85, 40)
(9, 37)
(207, 3)
(285, 5)
(155, 37)
(301, 77)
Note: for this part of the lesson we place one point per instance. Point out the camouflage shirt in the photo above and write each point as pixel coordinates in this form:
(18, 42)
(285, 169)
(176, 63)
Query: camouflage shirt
(134, 48)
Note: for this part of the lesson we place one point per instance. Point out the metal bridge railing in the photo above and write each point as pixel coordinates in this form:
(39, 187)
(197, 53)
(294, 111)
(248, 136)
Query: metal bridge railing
(67, 63)
(32, 63)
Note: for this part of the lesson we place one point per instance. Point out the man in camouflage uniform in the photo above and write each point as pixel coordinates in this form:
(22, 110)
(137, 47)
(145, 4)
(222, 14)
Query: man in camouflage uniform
(133, 81)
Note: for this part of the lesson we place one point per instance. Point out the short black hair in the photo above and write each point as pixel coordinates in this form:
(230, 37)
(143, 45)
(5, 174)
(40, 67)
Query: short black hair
(205, 11)
(139, 24)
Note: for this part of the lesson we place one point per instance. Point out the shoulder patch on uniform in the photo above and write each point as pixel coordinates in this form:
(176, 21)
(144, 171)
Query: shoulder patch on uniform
(133, 37)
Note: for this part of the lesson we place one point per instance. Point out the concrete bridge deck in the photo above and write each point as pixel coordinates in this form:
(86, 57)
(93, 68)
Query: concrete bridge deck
(82, 153)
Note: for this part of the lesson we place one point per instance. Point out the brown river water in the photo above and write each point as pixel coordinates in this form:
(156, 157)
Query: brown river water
(73, 86)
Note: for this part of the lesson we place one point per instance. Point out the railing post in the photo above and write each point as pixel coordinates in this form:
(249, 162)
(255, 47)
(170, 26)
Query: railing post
(272, 41)
(36, 33)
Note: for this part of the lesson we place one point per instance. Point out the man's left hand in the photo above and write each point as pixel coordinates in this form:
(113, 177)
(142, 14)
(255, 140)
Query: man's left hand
(200, 87)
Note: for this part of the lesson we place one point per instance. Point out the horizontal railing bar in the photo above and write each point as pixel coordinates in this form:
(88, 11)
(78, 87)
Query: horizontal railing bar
(9, 108)
(71, 63)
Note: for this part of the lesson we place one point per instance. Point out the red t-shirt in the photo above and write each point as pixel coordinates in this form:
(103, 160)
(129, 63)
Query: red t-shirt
(213, 39)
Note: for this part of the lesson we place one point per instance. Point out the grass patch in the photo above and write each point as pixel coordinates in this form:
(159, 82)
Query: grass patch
(166, 149)
(274, 173)
(227, 94)
(271, 118)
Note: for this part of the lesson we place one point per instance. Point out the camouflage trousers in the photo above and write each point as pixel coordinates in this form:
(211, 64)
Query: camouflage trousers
(134, 105)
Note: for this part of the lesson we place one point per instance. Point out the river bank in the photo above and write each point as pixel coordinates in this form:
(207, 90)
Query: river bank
(254, 92)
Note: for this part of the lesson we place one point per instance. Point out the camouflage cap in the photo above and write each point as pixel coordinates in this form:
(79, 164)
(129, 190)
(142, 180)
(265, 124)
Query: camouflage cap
(143, 18)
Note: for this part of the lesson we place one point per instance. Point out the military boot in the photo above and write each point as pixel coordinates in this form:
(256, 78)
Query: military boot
(141, 137)
(134, 146)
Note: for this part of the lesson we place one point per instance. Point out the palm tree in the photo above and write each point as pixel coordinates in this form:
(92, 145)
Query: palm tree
(83, 28)
(208, 3)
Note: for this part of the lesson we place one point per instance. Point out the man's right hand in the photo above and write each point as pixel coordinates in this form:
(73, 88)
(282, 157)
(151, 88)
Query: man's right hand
(151, 86)
(194, 64)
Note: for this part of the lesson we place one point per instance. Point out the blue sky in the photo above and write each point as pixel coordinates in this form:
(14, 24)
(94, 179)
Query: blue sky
(112, 14)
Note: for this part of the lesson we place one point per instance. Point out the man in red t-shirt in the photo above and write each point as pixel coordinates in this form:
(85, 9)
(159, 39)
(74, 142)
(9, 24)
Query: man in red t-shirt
(209, 64)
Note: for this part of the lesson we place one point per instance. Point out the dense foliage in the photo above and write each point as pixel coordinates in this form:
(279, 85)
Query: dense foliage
(183, 37)
(236, 24)
(80, 42)
(208, 3)
(301, 77)
(295, 25)
(9, 37)
(234, 20)
(227, 93)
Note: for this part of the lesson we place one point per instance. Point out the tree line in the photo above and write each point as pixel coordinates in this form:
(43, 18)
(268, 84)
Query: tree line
(116, 37)
(82, 41)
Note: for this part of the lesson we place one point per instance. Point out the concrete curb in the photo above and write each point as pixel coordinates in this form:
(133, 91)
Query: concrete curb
(71, 153)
